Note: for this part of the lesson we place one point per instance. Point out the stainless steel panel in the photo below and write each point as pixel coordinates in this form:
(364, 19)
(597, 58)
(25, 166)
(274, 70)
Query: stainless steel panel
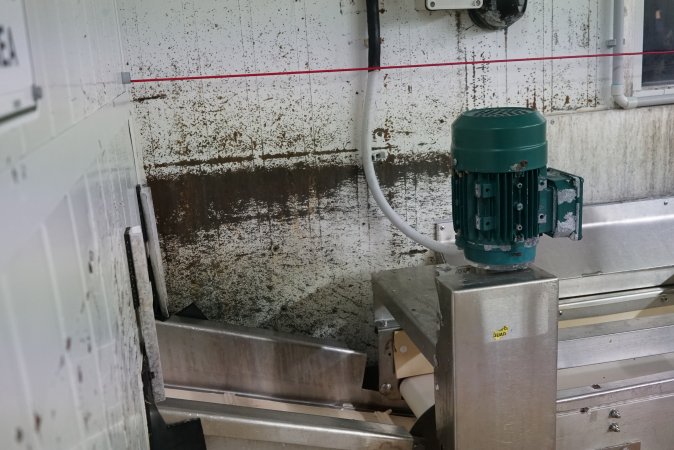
(411, 297)
(624, 246)
(615, 303)
(615, 341)
(213, 356)
(250, 425)
(602, 282)
(646, 421)
(498, 333)
(223, 443)
(626, 446)
(604, 373)
(618, 238)
(652, 385)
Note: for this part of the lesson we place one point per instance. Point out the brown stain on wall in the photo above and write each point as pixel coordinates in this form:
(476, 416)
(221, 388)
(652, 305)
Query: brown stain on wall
(188, 203)
(209, 161)
(149, 97)
(291, 248)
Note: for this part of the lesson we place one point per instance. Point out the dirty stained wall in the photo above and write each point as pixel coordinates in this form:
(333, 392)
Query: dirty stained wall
(264, 215)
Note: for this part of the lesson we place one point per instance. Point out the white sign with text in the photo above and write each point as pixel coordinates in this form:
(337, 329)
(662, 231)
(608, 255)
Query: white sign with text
(16, 70)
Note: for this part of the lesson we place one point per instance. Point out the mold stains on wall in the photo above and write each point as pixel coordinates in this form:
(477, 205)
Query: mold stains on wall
(265, 219)
(292, 248)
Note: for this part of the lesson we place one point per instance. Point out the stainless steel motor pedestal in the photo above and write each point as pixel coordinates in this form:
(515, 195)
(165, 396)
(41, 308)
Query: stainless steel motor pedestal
(496, 375)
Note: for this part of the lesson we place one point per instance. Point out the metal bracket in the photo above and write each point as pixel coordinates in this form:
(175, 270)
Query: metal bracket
(37, 92)
(444, 230)
(126, 77)
(379, 155)
(386, 326)
(438, 5)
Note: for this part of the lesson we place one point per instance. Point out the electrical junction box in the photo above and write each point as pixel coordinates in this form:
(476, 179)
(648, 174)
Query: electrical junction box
(439, 5)
(18, 93)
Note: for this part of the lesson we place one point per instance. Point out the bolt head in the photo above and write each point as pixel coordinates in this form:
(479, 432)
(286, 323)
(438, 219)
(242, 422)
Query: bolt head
(385, 388)
(614, 427)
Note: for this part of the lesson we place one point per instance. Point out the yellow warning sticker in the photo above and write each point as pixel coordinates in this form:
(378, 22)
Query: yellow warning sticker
(500, 334)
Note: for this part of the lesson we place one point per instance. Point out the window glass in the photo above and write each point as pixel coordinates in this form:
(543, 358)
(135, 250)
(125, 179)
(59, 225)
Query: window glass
(658, 36)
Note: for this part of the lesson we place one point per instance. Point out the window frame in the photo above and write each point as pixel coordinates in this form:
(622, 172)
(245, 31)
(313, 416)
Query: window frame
(637, 37)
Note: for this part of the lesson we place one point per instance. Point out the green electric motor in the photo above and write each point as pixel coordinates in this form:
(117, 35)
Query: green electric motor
(503, 195)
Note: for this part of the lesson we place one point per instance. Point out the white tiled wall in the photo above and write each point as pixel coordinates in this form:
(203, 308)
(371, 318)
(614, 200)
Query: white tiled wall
(69, 355)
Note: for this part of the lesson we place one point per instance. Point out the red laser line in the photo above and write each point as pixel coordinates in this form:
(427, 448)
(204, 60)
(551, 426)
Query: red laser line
(402, 66)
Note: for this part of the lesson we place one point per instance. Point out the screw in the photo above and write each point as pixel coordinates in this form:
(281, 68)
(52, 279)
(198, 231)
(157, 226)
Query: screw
(614, 414)
(663, 298)
(37, 92)
(518, 227)
(614, 427)
(519, 207)
(442, 228)
(432, 4)
(385, 388)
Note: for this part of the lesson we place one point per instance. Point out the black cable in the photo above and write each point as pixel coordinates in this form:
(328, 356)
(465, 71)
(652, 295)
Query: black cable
(374, 42)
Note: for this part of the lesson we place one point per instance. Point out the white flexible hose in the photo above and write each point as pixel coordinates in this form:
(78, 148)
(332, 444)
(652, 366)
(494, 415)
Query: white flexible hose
(373, 78)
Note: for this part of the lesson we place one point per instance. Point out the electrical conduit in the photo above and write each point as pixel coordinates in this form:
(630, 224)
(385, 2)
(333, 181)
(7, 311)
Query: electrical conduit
(373, 80)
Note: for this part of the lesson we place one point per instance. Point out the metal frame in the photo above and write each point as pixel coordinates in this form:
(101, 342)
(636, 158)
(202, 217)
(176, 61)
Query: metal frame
(497, 332)
(616, 355)
(599, 281)
(583, 412)
(615, 341)
(225, 423)
(622, 249)
(386, 326)
(212, 356)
